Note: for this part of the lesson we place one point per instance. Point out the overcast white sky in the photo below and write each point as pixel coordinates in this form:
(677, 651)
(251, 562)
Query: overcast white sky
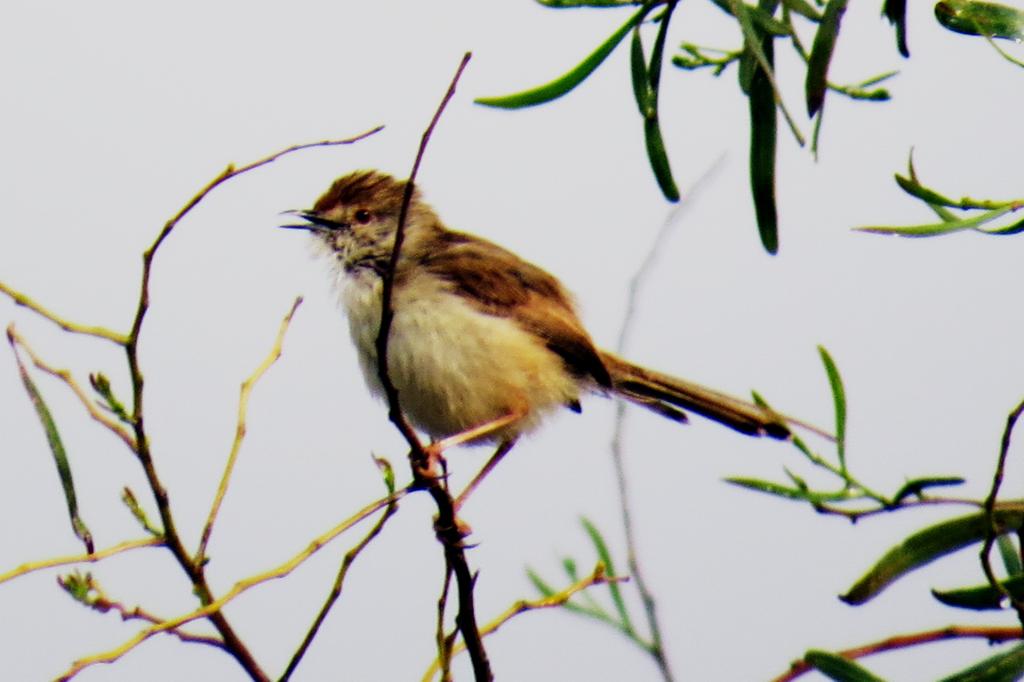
(115, 113)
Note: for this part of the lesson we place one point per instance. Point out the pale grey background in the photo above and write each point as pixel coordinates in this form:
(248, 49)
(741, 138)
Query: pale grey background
(115, 113)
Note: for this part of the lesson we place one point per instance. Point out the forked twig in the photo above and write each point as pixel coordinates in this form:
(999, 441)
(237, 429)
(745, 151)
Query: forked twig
(53, 562)
(240, 428)
(335, 592)
(65, 375)
(195, 573)
(598, 577)
(214, 607)
(991, 532)
(88, 591)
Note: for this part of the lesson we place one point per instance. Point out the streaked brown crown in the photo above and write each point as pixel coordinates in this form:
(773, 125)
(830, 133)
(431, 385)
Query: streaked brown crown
(363, 188)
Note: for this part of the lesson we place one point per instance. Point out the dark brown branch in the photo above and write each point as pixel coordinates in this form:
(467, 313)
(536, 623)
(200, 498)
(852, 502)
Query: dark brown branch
(173, 541)
(991, 532)
(387, 312)
(994, 635)
(449, 531)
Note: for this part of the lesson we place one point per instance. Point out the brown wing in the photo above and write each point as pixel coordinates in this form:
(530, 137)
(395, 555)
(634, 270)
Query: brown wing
(503, 284)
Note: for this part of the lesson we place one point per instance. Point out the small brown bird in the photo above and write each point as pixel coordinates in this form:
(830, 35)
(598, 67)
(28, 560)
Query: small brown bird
(478, 333)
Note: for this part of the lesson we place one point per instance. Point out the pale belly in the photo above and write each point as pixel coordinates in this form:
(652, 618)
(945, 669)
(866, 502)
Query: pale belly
(455, 367)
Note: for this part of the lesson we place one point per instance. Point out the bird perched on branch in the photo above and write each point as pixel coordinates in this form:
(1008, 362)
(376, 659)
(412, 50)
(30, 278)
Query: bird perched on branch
(479, 335)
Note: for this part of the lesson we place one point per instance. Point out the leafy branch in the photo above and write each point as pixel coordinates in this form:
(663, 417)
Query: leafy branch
(760, 26)
(975, 216)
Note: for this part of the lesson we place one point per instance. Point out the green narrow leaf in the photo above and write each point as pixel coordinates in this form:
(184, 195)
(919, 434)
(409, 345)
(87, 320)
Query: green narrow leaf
(821, 55)
(761, 15)
(1013, 228)
(101, 384)
(564, 84)
(1010, 555)
(935, 229)
(763, 138)
(803, 8)
(927, 545)
(659, 159)
(569, 566)
(60, 456)
(802, 494)
(1006, 666)
(981, 19)
(653, 140)
(983, 597)
(930, 197)
(837, 668)
(917, 486)
(914, 188)
(606, 558)
(769, 487)
(539, 583)
(387, 472)
(642, 91)
(658, 51)
(839, 399)
(896, 12)
(130, 501)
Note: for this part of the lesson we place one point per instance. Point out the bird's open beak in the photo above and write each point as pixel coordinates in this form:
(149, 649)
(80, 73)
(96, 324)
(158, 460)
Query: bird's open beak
(313, 222)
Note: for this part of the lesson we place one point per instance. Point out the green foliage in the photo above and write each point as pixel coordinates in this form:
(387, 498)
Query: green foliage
(566, 83)
(924, 547)
(896, 12)
(821, 55)
(618, 616)
(101, 385)
(60, 456)
(981, 19)
(975, 214)
(760, 26)
(1006, 666)
(838, 668)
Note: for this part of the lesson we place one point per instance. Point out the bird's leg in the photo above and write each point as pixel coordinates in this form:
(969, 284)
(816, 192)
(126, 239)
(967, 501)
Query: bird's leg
(485, 429)
(434, 465)
(503, 449)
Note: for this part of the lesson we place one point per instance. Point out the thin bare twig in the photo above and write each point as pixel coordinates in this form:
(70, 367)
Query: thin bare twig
(855, 515)
(240, 429)
(92, 595)
(195, 573)
(210, 609)
(68, 326)
(335, 592)
(992, 634)
(991, 532)
(53, 562)
(449, 531)
(387, 312)
(636, 283)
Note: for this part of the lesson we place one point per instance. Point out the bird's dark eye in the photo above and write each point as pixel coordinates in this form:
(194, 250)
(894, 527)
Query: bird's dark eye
(362, 216)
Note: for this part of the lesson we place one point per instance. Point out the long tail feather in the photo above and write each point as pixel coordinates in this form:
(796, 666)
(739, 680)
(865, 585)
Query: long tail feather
(662, 393)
